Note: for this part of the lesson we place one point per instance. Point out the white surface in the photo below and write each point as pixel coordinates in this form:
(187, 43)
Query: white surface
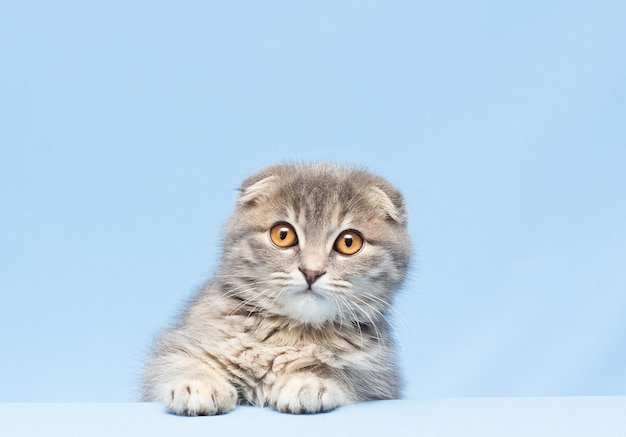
(571, 416)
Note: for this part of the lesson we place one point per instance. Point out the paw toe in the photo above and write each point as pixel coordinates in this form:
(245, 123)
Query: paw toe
(201, 398)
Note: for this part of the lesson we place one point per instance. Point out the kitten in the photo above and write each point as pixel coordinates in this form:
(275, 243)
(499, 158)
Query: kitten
(297, 316)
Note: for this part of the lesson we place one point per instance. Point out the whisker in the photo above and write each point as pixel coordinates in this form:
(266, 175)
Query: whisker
(355, 317)
(243, 288)
(379, 313)
(270, 297)
(389, 310)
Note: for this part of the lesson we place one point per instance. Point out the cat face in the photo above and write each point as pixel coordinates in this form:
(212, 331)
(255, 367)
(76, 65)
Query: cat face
(316, 243)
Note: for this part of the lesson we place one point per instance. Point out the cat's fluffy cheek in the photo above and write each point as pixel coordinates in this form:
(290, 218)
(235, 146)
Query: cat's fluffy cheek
(306, 393)
(201, 398)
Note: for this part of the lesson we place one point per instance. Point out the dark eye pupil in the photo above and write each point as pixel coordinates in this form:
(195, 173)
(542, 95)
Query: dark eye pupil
(348, 240)
(283, 233)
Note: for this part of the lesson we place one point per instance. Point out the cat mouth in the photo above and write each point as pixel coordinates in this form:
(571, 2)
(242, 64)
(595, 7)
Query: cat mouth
(312, 305)
(310, 292)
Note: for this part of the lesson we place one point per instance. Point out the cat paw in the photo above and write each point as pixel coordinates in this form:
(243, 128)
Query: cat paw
(304, 393)
(201, 398)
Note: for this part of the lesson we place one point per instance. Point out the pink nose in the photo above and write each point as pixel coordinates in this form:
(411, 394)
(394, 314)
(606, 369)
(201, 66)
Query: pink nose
(311, 275)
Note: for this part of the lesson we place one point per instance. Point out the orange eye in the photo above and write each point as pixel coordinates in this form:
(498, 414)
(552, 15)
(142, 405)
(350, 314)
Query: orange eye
(349, 242)
(283, 235)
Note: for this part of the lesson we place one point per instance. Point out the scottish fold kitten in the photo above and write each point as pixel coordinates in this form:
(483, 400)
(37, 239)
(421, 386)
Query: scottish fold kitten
(296, 317)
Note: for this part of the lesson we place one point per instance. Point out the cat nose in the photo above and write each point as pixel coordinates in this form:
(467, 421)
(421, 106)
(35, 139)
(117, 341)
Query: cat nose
(311, 275)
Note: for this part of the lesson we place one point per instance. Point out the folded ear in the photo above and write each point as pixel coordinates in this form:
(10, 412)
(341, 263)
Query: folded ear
(389, 202)
(255, 190)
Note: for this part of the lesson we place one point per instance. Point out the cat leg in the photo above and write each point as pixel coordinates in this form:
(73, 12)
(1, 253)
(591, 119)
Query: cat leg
(307, 393)
(187, 386)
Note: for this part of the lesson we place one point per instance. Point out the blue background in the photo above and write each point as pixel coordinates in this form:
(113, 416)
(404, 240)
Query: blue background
(126, 127)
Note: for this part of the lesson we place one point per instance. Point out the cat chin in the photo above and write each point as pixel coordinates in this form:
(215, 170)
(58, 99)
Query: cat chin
(309, 308)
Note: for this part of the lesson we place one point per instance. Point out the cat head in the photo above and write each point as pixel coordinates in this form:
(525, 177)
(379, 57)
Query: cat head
(316, 243)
